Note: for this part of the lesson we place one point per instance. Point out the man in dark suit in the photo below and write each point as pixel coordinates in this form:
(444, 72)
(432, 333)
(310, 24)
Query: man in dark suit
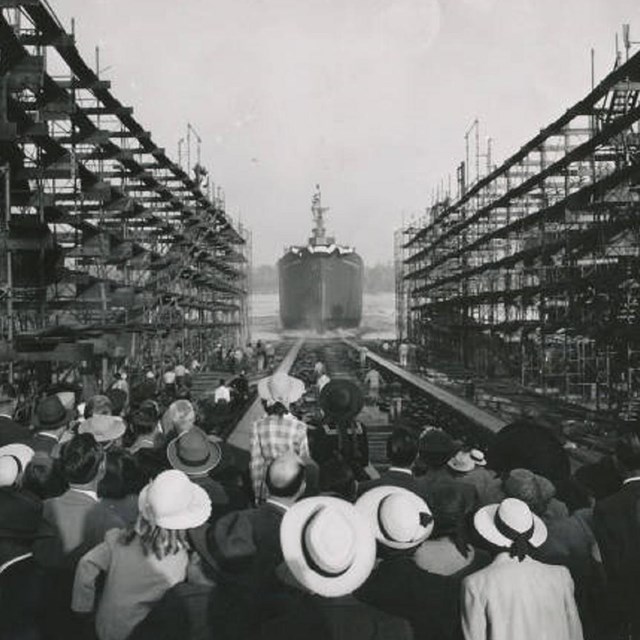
(402, 451)
(242, 551)
(10, 431)
(616, 522)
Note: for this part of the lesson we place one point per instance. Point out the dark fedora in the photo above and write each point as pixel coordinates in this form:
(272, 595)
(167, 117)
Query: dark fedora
(21, 516)
(193, 453)
(51, 414)
(341, 399)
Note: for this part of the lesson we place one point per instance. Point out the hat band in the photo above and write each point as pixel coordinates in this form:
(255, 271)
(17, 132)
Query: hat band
(193, 462)
(425, 520)
(312, 564)
(520, 546)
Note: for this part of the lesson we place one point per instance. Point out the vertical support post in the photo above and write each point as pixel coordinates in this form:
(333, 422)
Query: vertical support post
(9, 264)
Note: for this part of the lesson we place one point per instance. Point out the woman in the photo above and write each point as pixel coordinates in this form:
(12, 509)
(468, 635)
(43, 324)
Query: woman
(142, 562)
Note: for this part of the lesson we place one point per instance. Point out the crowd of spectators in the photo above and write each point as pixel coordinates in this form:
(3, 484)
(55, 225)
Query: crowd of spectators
(128, 517)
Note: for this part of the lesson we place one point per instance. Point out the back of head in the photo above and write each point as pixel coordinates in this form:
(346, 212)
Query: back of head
(402, 448)
(285, 476)
(98, 405)
(181, 415)
(337, 478)
(118, 398)
(122, 476)
(81, 459)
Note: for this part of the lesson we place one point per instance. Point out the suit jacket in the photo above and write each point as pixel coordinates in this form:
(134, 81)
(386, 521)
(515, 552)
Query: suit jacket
(80, 524)
(432, 483)
(394, 478)
(44, 444)
(430, 602)
(11, 432)
(616, 522)
(526, 600)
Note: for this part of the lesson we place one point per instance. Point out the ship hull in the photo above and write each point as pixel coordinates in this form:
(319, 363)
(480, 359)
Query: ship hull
(320, 291)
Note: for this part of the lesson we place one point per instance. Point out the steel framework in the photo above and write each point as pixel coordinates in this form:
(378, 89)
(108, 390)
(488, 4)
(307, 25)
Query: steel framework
(533, 270)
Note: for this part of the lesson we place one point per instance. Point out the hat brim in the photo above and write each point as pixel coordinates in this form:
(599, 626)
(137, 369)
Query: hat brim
(291, 532)
(69, 415)
(23, 452)
(213, 458)
(116, 430)
(195, 513)
(484, 523)
(356, 399)
(199, 538)
(368, 505)
(461, 468)
(294, 393)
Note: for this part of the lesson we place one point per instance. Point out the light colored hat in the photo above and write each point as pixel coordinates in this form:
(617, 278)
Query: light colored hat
(280, 387)
(20, 451)
(172, 501)
(169, 377)
(461, 462)
(103, 428)
(400, 519)
(478, 458)
(150, 375)
(193, 453)
(328, 546)
(9, 470)
(500, 524)
(68, 399)
(180, 371)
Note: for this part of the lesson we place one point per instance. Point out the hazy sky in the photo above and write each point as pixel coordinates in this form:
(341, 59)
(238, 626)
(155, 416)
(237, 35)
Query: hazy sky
(369, 98)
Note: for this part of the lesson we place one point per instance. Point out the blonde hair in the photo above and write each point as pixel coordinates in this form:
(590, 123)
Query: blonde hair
(154, 539)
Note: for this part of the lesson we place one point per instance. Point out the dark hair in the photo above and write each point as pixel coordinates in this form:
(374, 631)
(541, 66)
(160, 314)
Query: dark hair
(337, 478)
(221, 380)
(118, 399)
(289, 489)
(402, 448)
(451, 510)
(43, 477)
(628, 452)
(122, 475)
(81, 458)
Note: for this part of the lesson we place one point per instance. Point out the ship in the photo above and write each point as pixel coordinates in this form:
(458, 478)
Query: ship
(320, 283)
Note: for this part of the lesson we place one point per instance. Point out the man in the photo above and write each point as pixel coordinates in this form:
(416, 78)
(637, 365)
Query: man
(222, 394)
(243, 551)
(617, 531)
(49, 423)
(373, 380)
(402, 451)
(10, 431)
(77, 516)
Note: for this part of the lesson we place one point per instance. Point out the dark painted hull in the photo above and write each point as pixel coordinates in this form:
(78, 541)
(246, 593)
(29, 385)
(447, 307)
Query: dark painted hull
(320, 290)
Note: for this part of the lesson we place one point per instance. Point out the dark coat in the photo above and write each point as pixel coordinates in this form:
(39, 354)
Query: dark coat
(394, 478)
(11, 432)
(616, 521)
(429, 601)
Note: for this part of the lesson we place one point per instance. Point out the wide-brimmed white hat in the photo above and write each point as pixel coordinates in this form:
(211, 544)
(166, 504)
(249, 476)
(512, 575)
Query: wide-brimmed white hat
(280, 387)
(104, 428)
(500, 524)
(461, 462)
(172, 501)
(22, 452)
(328, 546)
(399, 518)
(478, 458)
(169, 377)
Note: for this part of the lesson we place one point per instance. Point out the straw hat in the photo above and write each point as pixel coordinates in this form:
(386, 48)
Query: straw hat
(400, 519)
(104, 428)
(169, 377)
(172, 501)
(341, 399)
(461, 462)
(193, 453)
(501, 524)
(327, 545)
(22, 452)
(280, 387)
(180, 415)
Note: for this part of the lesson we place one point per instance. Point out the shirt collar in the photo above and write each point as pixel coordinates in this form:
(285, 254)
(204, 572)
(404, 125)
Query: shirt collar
(401, 470)
(87, 492)
(44, 434)
(631, 479)
(13, 561)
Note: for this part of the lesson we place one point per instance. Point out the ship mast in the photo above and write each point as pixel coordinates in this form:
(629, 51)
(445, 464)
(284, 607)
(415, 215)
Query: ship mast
(318, 234)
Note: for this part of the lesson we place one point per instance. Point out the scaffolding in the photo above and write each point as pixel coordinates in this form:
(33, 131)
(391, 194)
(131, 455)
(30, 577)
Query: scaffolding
(532, 272)
(109, 249)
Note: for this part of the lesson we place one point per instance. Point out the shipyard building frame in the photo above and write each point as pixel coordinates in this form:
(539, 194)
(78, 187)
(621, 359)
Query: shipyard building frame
(532, 272)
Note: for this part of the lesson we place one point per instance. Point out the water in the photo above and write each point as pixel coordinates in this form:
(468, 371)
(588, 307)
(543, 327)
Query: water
(378, 316)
